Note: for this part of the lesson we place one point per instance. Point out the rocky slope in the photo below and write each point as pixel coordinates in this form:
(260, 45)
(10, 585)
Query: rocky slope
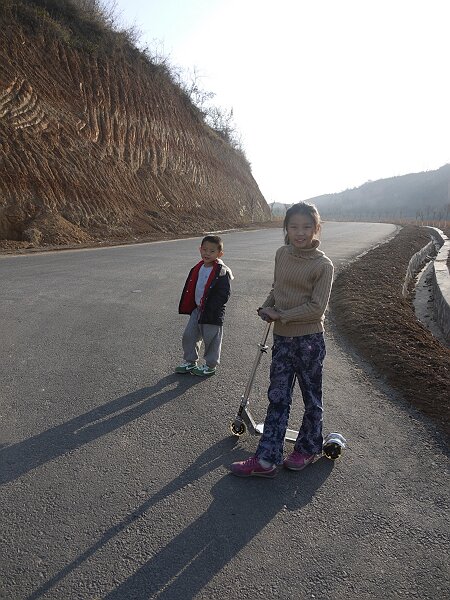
(99, 143)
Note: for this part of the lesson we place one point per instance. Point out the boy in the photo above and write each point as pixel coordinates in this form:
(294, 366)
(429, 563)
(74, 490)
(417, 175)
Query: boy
(204, 296)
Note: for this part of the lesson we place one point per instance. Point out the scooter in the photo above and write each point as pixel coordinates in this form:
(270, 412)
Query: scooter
(243, 421)
(334, 443)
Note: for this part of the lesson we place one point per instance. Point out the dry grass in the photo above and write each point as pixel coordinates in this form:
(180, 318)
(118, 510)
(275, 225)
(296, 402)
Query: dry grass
(369, 310)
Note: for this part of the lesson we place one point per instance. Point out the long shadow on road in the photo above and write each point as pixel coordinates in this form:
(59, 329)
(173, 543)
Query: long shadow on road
(239, 510)
(18, 459)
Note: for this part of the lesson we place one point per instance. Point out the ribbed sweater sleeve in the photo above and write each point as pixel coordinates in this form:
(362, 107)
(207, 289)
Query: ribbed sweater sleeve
(301, 290)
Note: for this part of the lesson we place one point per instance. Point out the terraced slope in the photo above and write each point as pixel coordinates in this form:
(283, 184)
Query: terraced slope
(103, 145)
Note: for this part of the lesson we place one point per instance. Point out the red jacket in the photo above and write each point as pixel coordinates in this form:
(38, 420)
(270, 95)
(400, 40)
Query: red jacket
(216, 294)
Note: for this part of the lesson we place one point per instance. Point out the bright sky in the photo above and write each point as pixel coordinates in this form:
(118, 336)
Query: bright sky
(326, 94)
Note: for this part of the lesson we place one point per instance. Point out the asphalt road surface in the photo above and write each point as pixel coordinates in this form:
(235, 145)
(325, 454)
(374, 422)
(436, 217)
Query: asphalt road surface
(114, 470)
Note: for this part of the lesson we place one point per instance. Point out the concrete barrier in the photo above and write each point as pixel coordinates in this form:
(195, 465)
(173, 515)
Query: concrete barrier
(416, 263)
(441, 278)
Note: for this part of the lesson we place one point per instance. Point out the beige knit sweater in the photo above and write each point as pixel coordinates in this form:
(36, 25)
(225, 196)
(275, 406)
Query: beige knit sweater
(301, 290)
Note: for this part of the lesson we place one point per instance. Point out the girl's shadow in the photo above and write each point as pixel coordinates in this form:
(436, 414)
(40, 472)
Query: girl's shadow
(239, 510)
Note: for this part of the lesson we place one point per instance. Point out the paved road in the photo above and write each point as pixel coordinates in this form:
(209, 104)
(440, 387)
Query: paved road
(114, 470)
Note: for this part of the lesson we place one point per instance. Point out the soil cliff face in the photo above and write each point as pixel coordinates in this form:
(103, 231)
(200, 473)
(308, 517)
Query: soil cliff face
(105, 146)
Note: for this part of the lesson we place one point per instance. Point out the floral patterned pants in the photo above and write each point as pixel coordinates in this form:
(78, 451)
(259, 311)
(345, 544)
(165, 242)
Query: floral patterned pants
(302, 358)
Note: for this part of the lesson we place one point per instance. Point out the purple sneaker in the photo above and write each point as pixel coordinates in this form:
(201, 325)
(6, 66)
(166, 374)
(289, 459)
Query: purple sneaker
(252, 466)
(296, 461)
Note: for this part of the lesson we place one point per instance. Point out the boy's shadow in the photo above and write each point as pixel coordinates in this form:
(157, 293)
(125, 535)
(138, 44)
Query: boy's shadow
(18, 459)
(239, 510)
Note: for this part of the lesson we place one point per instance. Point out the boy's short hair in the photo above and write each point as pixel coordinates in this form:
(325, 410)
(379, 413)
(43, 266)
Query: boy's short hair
(213, 239)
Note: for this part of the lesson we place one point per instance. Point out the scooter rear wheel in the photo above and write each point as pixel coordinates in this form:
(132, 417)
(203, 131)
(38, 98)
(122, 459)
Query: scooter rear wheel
(332, 451)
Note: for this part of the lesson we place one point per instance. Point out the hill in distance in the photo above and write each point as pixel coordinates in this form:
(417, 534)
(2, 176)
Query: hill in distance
(413, 198)
(416, 197)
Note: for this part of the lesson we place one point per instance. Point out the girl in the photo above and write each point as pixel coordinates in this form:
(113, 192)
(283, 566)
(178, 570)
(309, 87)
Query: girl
(296, 304)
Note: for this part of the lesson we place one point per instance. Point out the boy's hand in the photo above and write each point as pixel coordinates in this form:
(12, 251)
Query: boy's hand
(269, 314)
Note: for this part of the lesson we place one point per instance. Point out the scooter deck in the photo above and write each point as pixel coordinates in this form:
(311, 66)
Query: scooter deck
(291, 435)
(257, 428)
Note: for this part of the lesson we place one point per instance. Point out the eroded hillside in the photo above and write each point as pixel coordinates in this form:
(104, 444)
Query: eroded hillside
(103, 145)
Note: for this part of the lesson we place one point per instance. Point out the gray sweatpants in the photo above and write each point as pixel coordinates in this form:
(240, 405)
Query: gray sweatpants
(196, 333)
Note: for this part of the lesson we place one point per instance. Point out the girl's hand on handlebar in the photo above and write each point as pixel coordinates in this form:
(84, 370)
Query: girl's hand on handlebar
(269, 314)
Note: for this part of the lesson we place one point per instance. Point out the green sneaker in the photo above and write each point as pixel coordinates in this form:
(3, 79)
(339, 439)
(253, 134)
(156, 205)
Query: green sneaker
(185, 368)
(203, 371)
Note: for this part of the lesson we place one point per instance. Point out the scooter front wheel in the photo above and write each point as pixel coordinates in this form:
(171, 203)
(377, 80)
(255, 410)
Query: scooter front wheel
(238, 428)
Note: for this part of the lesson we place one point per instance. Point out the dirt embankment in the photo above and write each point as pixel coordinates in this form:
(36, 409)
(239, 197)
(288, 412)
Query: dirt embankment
(369, 309)
(104, 146)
